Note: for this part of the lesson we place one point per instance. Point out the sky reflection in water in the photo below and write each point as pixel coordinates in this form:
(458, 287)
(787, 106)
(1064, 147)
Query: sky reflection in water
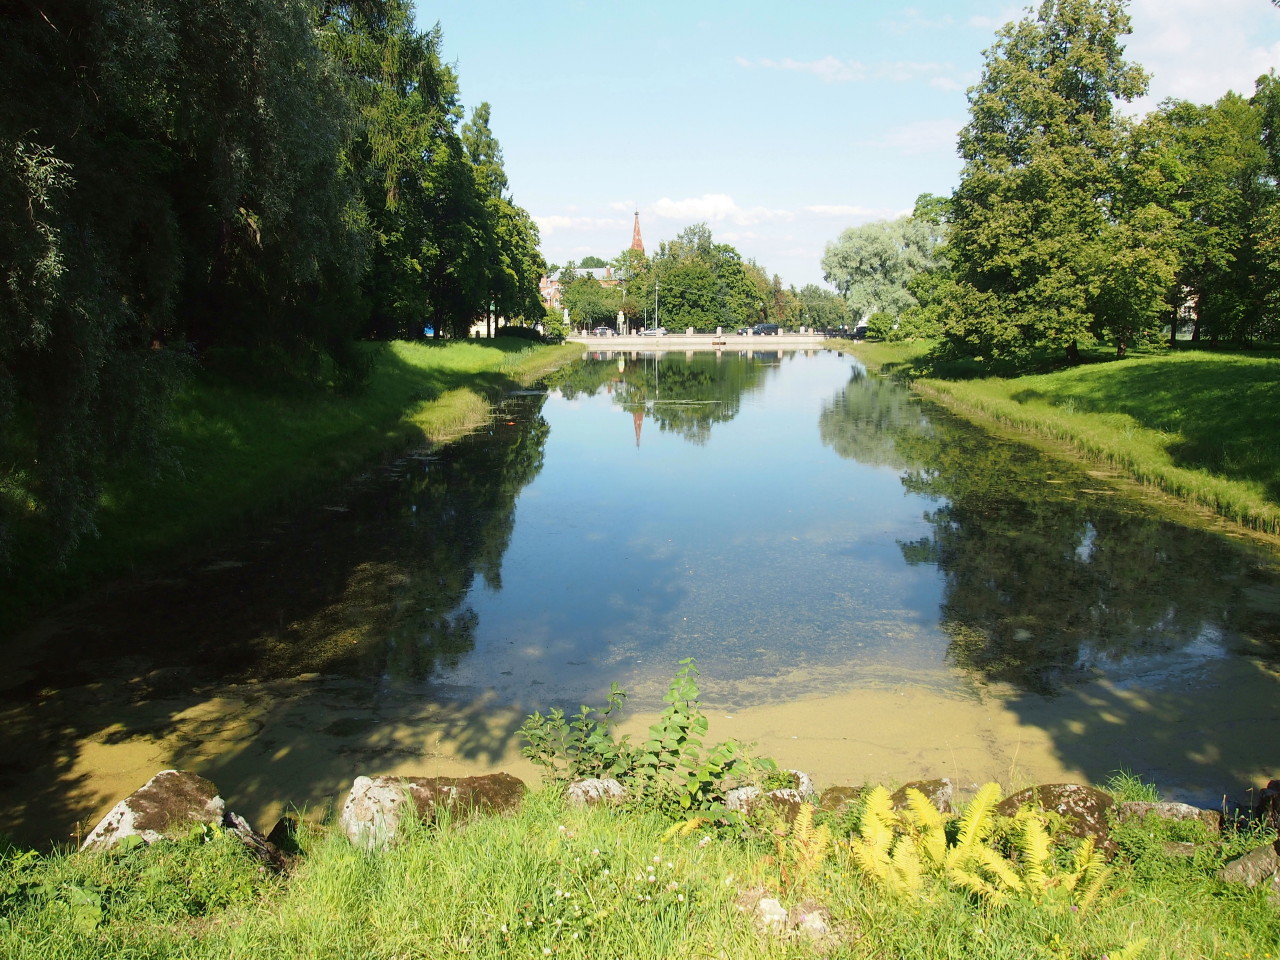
(799, 527)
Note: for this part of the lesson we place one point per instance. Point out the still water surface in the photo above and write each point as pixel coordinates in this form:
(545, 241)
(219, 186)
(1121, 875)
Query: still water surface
(871, 588)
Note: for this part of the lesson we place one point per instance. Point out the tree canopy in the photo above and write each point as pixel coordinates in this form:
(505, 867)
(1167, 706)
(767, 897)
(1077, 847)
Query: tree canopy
(266, 178)
(1073, 225)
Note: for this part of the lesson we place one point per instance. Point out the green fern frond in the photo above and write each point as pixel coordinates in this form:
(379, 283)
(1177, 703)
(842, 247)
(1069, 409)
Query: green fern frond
(877, 811)
(1036, 849)
(684, 828)
(979, 818)
(1000, 868)
(907, 869)
(975, 884)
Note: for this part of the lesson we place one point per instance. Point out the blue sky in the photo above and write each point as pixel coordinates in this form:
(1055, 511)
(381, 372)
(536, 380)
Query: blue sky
(777, 123)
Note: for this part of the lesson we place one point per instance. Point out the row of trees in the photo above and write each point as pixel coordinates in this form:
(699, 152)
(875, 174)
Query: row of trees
(1075, 225)
(275, 176)
(693, 281)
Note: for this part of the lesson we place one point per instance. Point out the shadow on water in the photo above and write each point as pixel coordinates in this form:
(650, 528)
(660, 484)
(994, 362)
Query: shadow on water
(1101, 620)
(284, 659)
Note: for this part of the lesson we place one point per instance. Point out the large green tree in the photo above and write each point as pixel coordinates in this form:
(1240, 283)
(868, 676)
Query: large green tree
(1046, 251)
(168, 171)
(873, 265)
(693, 281)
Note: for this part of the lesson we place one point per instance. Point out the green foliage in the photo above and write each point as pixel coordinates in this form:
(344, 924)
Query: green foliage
(873, 266)
(1039, 209)
(671, 768)
(1127, 786)
(579, 746)
(692, 281)
(880, 325)
(548, 880)
(900, 849)
(298, 182)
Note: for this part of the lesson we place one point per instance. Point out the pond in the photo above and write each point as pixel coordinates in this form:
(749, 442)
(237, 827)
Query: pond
(872, 589)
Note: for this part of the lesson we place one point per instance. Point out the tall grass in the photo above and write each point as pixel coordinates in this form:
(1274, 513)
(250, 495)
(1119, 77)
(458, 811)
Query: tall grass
(593, 883)
(1198, 426)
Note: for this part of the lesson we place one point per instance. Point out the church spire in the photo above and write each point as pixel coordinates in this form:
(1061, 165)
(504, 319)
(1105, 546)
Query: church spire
(636, 242)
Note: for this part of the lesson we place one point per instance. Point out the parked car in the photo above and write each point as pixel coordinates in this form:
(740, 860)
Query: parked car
(654, 332)
(603, 331)
(743, 331)
(765, 329)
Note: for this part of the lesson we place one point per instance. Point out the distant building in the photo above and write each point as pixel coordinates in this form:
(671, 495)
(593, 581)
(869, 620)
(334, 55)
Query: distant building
(550, 288)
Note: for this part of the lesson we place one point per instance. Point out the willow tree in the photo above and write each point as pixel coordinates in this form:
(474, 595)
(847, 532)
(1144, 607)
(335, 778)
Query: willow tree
(168, 171)
(1047, 255)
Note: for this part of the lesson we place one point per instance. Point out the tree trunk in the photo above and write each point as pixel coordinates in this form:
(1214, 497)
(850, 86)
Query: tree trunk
(1073, 352)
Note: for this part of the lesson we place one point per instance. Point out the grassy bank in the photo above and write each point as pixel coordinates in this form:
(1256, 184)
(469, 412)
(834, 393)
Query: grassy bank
(241, 447)
(1196, 425)
(595, 883)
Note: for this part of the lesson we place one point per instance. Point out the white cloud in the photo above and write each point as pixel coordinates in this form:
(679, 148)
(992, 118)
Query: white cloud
(1197, 50)
(833, 70)
(715, 208)
(829, 69)
(552, 223)
(994, 23)
(911, 20)
(839, 210)
(921, 136)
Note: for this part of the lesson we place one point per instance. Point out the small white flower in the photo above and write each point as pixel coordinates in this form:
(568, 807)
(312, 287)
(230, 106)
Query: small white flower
(657, 859)
(680, 897)
(650, 869)
(546, 951)
(668, 864)
(605, 871)
(561, 829)
(595, 852)
(504, 928)
(704, 841)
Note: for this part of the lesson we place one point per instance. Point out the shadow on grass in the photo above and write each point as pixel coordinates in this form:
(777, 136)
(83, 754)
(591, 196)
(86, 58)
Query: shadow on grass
(243, 445)
(1222, 409)
(340, 599)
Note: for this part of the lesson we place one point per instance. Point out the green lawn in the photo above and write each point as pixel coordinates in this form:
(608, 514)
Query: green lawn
(1199, 425)
(604, 883)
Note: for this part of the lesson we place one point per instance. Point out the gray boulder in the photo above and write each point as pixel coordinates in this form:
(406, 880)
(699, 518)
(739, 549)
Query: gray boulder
(1260, 866)
(1136, 810)
(938, 792)
(590, 791)
(167, 805)
(1083, 809)
(376, 806)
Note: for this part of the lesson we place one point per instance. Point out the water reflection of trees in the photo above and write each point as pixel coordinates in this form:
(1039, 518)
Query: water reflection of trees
(864, 420)
(686, 395)
(457, 517)
(1046, 576)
